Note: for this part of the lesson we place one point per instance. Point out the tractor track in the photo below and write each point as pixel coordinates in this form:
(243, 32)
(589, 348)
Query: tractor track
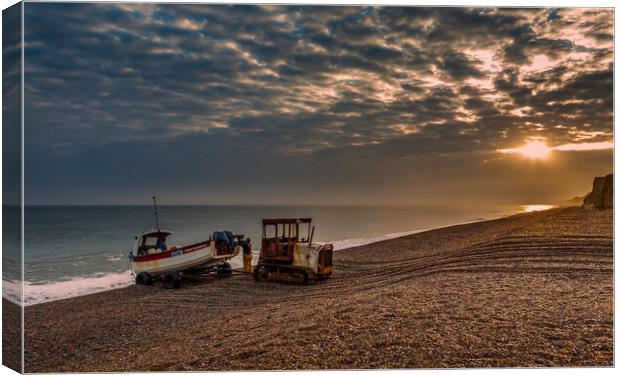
(448, 297)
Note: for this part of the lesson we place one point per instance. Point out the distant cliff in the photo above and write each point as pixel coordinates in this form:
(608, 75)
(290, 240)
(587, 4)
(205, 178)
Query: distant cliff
(602, 194)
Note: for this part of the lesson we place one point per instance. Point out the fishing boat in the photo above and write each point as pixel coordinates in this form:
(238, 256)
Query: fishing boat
(153, 259)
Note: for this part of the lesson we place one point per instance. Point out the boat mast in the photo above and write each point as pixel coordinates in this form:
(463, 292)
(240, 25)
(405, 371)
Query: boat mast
(155, 213)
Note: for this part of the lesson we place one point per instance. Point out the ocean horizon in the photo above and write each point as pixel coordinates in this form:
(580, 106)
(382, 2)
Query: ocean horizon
(73, 250)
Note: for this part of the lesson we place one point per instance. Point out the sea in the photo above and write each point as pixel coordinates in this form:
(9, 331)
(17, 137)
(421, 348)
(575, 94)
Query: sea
(76, 250)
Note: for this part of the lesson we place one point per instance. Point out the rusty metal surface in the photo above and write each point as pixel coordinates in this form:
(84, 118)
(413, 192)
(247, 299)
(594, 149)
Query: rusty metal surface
(285, 251)
(306, 256)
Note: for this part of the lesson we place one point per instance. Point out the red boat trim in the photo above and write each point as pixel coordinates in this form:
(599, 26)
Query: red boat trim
(171, 253)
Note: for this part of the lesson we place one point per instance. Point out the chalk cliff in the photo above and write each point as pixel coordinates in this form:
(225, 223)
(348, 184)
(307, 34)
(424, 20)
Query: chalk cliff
(602, 194)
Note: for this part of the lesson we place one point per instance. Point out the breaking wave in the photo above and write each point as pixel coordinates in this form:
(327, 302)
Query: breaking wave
(37, 292)
(12, 290)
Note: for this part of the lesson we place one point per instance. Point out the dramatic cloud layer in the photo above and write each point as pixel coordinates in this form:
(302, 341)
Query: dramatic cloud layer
(281, 104)
(11, 108)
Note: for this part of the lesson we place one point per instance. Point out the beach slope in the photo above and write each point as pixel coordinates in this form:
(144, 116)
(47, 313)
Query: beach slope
(528, 290)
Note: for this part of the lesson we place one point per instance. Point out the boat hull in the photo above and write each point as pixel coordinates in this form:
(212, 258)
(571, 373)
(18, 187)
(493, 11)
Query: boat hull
(191, 257)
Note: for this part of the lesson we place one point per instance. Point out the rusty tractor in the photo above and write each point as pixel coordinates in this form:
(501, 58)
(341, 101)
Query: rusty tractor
(287, 254)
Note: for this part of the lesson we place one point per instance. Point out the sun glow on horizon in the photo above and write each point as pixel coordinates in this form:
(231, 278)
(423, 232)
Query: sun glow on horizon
(538, 149)
(532, 150)
(536, 207)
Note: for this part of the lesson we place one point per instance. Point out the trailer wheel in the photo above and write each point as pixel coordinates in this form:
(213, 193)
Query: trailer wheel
(224, 270)
(143, 278)
(172, 280)
(260, 274)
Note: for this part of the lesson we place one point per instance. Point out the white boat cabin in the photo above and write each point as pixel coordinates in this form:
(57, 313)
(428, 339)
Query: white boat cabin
(151, 242)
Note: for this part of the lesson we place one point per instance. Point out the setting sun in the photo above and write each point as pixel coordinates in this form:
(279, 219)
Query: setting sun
(532, 150)
(535, 150)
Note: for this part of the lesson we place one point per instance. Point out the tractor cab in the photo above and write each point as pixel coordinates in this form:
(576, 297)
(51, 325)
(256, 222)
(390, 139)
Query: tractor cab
(280, 237)
(287, 252)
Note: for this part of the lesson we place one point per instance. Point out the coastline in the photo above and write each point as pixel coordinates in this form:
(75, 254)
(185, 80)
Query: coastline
(37, 293)
(532, 289)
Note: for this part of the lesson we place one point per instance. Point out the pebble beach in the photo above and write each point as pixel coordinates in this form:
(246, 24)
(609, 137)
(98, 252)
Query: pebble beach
(530, 290)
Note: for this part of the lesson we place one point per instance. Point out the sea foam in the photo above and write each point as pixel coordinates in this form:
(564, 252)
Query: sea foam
(35, 293)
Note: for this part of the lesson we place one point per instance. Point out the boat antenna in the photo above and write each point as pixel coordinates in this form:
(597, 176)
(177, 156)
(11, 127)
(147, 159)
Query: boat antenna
(155, 213)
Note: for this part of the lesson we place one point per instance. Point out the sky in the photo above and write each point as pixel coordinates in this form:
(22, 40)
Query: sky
(217, 104)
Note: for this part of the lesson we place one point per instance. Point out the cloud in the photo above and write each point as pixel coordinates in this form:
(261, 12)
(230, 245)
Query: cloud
(459, 65)
(11, 106)
(541, 147)
(295, 83)
(585, 146)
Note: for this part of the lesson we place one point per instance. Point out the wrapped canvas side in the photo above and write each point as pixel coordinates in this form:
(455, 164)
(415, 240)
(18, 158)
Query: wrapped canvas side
(12, 209)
